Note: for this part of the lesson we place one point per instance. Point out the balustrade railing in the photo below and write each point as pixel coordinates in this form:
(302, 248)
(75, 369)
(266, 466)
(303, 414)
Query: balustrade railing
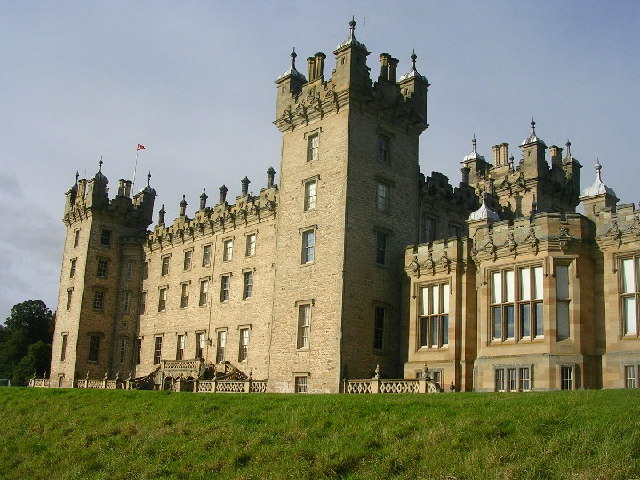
(377, 385)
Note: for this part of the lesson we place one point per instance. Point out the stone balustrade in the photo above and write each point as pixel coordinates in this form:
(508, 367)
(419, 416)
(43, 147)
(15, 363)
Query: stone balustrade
(230, 386)
(378, 385)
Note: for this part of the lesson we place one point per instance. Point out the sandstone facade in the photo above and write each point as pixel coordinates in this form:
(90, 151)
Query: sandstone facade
(310, 281)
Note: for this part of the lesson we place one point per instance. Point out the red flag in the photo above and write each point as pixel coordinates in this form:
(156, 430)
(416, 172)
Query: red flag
(140, 147)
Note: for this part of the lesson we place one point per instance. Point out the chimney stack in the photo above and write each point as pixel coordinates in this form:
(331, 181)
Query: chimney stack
(393, 66)
(311, 69)
(223, 194)
(183, 206)
(203, 200)
(271, 177)
(384, 66)
(319, 61)
(161, 215)
(245, 185)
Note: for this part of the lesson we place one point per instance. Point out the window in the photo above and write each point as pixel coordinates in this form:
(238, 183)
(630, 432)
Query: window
(180, 347)
(562, 301)
(428, 230)
(204, 291)
(530, 308)
(128, 270)
(187, 260)
(567, 377)
(512, 378)
(308, 246)
(381, 248)
(247, 291)
(162, 300)
(243, 351)
(69, 296)
(145, 270)
(631, 376)
(312, 147)
(227, 250)
(63, 350)
(76, 238)
(105, 237)
(434, 316)
(629, 271)
(126, 301)
(200, 345)
(206, 255)
(310, 195)
(507, 323)
(98, 300)
(138, 348)
(455, 230)
(94, 348)
(304, 322)
(378, 327)
(102, 269)
(123, 350)
(184, 295)
(301, 384)
(222, 343)
(72, 270)
(383, 149)
(157, 351)
(224, 288)
(250, 250)
(382, 197)
(143, 302)
(165, 265)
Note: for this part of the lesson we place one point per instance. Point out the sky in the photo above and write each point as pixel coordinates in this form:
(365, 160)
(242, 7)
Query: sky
(193, 81)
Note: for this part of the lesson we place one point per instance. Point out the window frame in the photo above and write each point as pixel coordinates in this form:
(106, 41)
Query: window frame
(383, 196)
(102, 268)
(250, 244)
(382, 251)
(221, 344)
(511, 378)
(187, 262)
(162, 299)
(628, 297)
(313, 146)
(206, 255)
(303, 336)
(72, 267)
(247, 284)
(433, 315)
(301, 383)
(225, 287)
(308, 249)
(63, 346)
(227, 249)
(93, 354)
(203, 297)
(384, 149)
(631, 381)
(99, 298)
(180, 343)
(380, 321)
(310, 197)
(243, 345)
(165, 265)
(157, 349)
(184, 294)
(106, 235)
(519, 296)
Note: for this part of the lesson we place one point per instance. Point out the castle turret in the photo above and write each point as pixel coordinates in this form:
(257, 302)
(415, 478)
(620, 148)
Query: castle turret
(597, 196)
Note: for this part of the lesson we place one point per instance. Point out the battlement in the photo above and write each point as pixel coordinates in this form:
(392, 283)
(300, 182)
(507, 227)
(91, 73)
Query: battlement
(89, 196)
(302, 100)
(223, 217)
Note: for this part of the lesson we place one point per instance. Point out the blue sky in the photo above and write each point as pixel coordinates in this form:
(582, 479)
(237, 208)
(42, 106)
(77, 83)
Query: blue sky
(193, 82)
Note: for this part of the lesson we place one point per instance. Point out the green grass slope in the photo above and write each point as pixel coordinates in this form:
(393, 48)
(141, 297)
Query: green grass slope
(89, 434)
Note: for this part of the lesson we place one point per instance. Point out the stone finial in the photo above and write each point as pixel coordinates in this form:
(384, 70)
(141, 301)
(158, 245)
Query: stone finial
(223, 194)
(293, 58)
(376, 374)
(271, 177)
(203, 199)
(245, 185)
(414, 57)
(352, 28)
(183, 206)
(568, 145)
(161, 215)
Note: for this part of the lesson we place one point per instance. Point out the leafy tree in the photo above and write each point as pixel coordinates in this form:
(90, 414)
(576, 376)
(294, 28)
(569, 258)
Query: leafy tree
(30, 322)
(37, 360)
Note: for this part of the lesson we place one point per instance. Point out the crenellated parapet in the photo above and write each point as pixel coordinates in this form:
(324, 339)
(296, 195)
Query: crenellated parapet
(533, 185)
(529, 236)
(221, 218)
(618, 228)
(438, 258)
(88, 196)
(302, 100)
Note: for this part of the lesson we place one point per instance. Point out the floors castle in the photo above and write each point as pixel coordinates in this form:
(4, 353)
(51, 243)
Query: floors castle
(355, 261)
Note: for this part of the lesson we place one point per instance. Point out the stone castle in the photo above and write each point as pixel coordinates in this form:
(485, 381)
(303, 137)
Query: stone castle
(356, 262)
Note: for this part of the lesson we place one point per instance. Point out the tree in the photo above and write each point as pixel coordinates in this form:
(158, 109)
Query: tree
(30, 323)
(37, 361)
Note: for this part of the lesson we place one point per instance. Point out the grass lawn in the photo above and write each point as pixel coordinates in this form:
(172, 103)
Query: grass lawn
(106, 434)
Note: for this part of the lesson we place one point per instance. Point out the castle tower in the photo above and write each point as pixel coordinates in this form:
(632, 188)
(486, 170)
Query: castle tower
(348, 207)
(96, 318)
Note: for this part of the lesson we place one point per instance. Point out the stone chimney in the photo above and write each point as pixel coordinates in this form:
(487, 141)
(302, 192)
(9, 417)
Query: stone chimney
(161, 215)
(271, 177)
(223, 194)
(245, 185)
(183, 206)
(496, 155)
(393, 67)
(319, 65)
(203, 200)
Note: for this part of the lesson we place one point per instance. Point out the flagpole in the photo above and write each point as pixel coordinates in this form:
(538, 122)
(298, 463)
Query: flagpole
(133, 181)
